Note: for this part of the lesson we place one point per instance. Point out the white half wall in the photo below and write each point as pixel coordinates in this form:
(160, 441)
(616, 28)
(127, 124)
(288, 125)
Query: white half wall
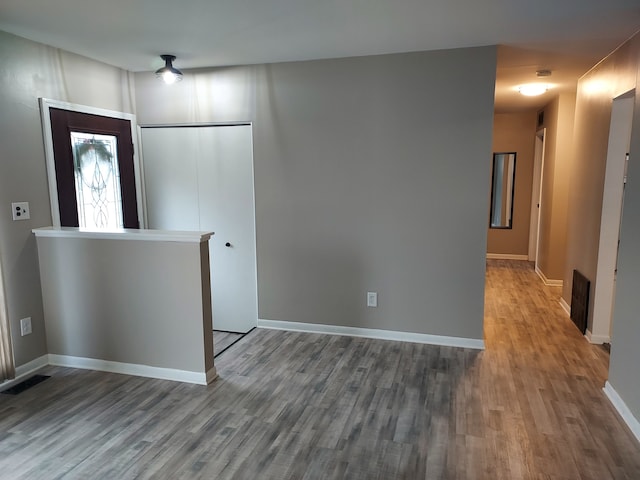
(130, 301)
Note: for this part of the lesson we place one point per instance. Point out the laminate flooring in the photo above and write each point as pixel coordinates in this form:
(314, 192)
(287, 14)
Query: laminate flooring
(308, 406)
(223, 340)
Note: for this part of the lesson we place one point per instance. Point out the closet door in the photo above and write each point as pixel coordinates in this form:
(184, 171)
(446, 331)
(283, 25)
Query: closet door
(170, 178)
(201, 178)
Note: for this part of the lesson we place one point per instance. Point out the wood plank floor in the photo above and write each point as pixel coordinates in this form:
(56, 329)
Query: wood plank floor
(223, 340)
(306, 406)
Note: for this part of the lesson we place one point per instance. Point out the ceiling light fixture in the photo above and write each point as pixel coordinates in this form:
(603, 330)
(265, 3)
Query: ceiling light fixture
(168, 74)
(533, 89)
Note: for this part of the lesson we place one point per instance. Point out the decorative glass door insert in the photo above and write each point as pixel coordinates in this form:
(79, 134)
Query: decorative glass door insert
(97, 180)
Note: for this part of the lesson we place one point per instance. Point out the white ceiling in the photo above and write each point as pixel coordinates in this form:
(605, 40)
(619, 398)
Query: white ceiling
(566, 36)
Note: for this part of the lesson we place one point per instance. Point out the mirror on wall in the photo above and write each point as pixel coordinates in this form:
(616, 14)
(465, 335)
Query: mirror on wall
(502, 189)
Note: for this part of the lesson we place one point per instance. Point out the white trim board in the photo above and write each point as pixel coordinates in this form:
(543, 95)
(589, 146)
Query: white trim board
(597, 339)
(29, 369)
(25, 371)
(133, 369)
(548, 282)
(124, 234)
(373, 333)
(565, 306)
(506, 256)
(631, 421)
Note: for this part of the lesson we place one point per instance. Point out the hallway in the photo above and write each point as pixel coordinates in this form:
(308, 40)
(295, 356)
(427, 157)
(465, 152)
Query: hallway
(543, 397)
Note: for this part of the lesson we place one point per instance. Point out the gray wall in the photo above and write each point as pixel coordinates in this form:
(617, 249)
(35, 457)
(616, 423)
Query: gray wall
(371, 173)
(612, 77)
(131, 301)
(31, 70)
(556, 177)
(625, 354)
(515, 132)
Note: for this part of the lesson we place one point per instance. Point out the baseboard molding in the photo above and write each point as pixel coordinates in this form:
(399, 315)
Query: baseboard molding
(597, 339)
(548, 282)
(133, 369)
(32, 367)
(506, 256)
(565, 306)
(25, 371)
(628, 417)
(373, 333)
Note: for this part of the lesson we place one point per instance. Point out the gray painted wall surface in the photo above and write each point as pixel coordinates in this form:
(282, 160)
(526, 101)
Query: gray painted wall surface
(130, 301)
(515, 132)
(31, 70)
(371, 174)
(625, 353)
(614, 76)
(558, 122)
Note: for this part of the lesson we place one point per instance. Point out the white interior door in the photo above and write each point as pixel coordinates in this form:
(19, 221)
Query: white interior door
(201, 178)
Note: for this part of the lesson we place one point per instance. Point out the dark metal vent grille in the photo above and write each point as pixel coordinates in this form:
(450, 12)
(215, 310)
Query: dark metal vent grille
(580, 300)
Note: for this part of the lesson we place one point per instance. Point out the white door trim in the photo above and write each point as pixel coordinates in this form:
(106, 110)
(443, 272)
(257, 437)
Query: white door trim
(536, 195)
(604, 288)
(45, 105)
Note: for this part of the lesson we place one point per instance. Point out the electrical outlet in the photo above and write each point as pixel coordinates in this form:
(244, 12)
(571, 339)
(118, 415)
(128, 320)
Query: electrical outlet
(372, 299)
(25, 326)
(20, 210)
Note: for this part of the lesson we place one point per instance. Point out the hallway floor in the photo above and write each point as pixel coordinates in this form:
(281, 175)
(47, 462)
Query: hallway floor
(307, 406)
(544, 385)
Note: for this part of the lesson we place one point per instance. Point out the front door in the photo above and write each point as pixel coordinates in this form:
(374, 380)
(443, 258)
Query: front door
(94, 170)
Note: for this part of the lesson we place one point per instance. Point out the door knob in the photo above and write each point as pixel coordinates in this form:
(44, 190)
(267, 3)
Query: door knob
(227, 244)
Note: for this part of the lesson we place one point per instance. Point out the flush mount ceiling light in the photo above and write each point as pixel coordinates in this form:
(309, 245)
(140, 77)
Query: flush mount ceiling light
(533, 89)
(168, 74)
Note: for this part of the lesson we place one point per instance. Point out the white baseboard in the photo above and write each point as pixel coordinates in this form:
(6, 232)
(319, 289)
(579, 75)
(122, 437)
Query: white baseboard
(373, 333)
(133, 369)
(32, 367)
(628, 417)
(597, 339)
(565, 306)
(548, 282)
(506, 256)
(25, 371)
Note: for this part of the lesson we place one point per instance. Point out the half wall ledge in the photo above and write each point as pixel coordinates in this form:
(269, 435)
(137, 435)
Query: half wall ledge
(138, 298)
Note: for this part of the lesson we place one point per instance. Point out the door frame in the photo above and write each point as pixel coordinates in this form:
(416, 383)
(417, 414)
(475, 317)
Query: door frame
(536, 195)
(620, 127)
(45, 105)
